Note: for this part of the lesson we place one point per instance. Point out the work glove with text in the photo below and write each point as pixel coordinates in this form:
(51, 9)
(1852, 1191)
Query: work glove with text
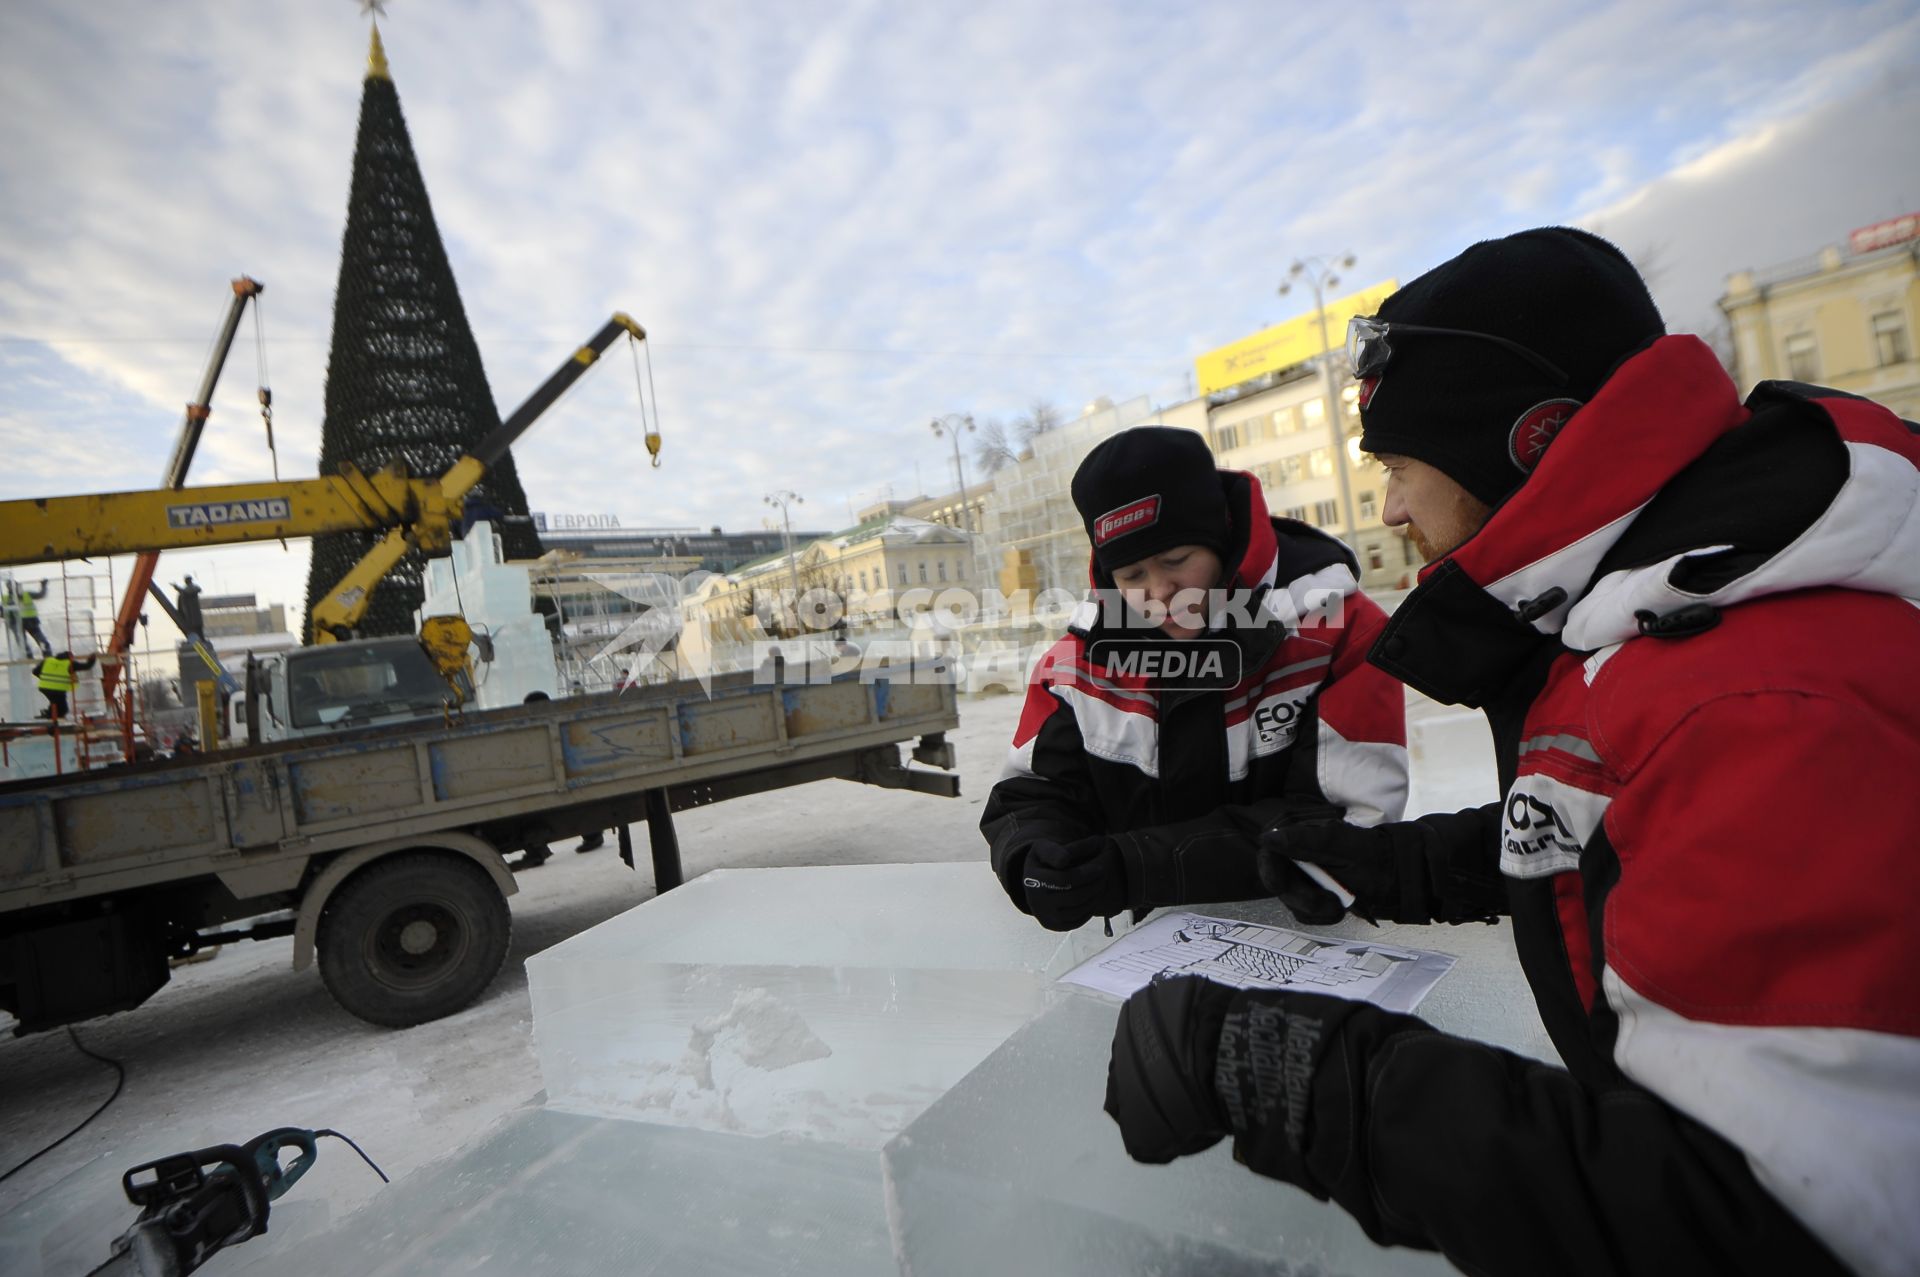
(1069, 883)
(1283, 1073)
(1160, 1079)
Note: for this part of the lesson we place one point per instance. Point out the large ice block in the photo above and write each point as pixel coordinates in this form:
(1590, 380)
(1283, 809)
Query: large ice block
(1017, 1169)
(831, 1003)
(1451, 752)
(548, 1192)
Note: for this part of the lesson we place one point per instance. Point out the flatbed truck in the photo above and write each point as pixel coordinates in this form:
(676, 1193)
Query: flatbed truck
(381, 850)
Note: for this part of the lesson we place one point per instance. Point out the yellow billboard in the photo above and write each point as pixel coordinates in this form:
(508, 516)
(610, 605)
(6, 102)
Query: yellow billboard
(1286, 344)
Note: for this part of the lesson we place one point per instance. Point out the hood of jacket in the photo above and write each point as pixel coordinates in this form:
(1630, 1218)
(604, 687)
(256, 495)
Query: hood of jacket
(1662, 501)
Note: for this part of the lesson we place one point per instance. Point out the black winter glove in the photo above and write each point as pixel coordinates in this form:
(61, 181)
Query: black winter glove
(1291, 1075)
(1358, 858)
(1069, 883)
(1307, 900)
(1440, 868)
(1160, 1079)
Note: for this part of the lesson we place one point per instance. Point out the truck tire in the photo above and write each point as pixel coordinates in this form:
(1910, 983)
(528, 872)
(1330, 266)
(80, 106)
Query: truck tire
(412, 937)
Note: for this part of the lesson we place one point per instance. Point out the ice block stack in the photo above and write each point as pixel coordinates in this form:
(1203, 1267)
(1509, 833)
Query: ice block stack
(831, 1003)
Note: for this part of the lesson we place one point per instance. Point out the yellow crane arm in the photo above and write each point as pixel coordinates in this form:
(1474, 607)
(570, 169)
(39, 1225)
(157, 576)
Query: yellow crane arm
(411, 512)
(335, 615)
(46, 528)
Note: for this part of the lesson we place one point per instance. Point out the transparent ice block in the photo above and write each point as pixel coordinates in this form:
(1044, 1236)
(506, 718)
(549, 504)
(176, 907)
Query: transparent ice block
(1451, 753)
(548, 1192)
(831, 1003)
(1017, 1169)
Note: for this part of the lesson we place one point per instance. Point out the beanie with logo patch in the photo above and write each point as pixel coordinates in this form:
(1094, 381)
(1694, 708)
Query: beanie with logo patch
(1479, 410)
(1148, 489)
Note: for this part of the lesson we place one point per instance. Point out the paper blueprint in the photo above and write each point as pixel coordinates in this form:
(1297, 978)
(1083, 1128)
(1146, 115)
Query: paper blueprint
(1250, 955)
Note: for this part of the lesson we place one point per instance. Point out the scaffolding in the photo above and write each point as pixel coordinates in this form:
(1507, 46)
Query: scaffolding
(75, 614)
(1030, 519)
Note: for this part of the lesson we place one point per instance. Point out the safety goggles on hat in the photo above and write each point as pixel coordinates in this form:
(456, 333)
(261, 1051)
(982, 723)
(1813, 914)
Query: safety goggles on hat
(1368, 351)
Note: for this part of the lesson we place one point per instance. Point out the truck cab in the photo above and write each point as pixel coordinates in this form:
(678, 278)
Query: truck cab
(339, 686)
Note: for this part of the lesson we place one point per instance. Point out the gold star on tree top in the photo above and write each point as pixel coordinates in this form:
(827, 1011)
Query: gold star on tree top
(376, 52)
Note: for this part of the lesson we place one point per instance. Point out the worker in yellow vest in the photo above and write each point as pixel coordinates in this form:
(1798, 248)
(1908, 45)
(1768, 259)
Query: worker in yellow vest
(21, 612)
(57, 676)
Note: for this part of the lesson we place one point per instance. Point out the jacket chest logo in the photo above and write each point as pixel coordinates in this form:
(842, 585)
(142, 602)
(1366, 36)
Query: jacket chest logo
(1276, 722)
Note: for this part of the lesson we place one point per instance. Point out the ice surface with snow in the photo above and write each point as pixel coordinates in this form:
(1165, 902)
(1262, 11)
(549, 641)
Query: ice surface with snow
(831, 1003)
(1017, 1169)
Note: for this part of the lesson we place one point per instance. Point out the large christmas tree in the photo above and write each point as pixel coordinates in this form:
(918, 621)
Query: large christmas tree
(404, 379)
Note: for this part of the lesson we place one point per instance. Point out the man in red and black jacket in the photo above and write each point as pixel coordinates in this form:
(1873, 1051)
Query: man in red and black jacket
(1689, 623)
(1143, 772)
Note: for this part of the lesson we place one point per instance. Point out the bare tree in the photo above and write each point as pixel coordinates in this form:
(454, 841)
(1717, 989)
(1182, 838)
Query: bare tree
(1039, 418)
(1651, 261)
(994, 449)
(1719, 339)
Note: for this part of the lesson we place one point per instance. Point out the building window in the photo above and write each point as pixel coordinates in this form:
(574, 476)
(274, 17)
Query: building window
(1890, 337)
(923, 571)
(1320, 463)
(1350, 403)
(863, 580)
(1298, 513)
(943, 571)
(903, 574)
(1375, 559)
(1256, 429)
(1326, 513)
(1229, 437)
(963, 570)
(1286, 420)
(1366, 505)
(1803, 357)
(1313, 415)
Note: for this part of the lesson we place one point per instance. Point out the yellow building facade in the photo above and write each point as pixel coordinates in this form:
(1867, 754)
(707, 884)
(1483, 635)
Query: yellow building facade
(867, 567)
(1844, 318)
(1280, 435)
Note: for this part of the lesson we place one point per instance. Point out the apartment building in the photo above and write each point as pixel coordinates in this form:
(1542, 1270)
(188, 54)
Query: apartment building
(1843, 317)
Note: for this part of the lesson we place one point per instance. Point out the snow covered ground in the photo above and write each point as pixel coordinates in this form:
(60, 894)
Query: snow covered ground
(241, 1044)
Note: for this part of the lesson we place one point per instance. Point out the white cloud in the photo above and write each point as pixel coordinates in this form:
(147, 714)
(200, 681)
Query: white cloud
(839, 221)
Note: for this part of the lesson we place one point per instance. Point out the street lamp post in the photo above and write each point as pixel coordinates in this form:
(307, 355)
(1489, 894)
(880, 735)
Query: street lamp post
(1320, 275)
(950, 426)
(783, 498)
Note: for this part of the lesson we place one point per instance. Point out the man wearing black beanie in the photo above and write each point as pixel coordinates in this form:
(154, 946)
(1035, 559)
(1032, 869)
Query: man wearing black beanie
(1130, 787)
(1687, 620)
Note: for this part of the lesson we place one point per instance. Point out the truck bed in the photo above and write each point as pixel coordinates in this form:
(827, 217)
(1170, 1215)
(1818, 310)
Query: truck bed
(256, 816)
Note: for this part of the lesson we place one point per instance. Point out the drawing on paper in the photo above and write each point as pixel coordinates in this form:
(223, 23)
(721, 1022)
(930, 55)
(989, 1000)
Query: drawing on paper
(1247, 955)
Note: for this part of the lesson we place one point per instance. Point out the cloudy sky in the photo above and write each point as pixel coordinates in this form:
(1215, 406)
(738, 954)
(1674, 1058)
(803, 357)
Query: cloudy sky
(840, 220)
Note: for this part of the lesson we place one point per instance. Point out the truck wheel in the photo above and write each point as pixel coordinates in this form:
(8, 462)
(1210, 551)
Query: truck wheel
(413, 937)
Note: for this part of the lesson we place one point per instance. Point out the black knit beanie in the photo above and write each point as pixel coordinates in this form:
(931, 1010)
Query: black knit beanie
(1479, 412)
(1147, 489)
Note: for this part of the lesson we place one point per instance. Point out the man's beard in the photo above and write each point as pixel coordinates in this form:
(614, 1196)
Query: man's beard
(1450, 531)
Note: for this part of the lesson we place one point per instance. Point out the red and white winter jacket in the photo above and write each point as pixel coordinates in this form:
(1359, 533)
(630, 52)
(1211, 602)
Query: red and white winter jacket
(1694, 632)
(1190, 777)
